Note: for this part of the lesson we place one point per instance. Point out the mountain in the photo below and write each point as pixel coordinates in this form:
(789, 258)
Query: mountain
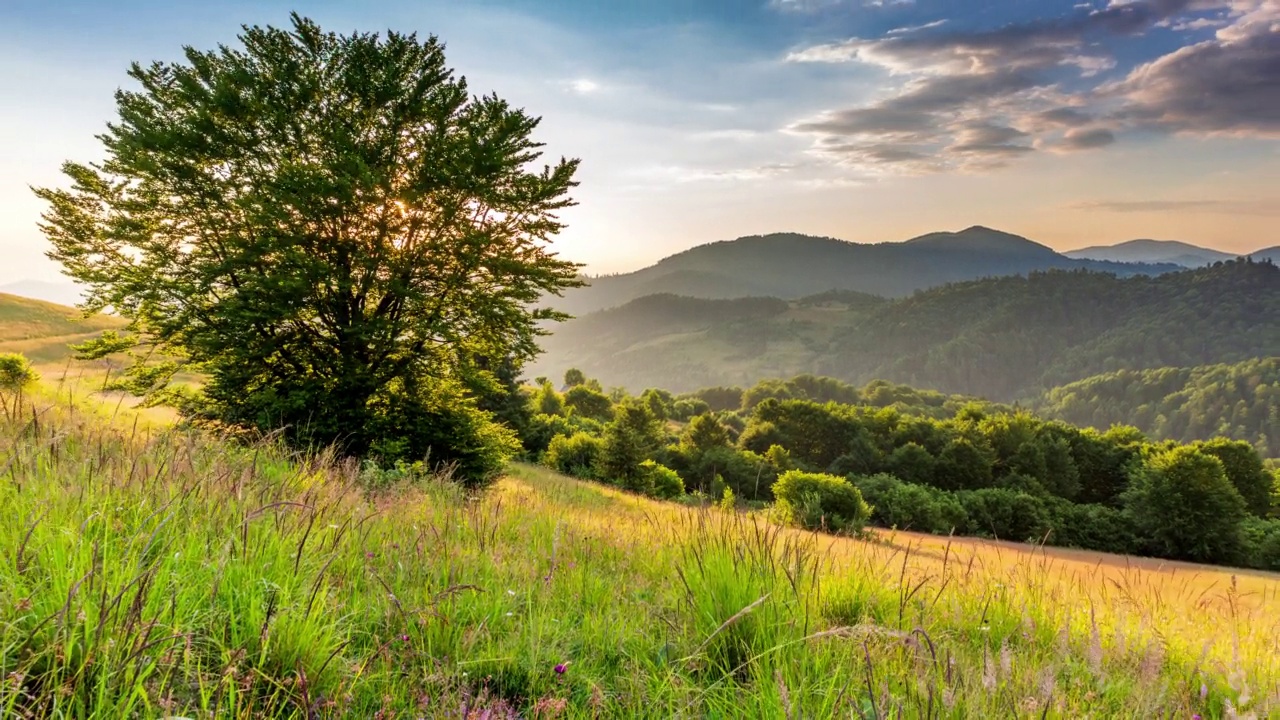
(1269, 254)
(1152, 251)
(62, 293)
(789, 266)
(1004, 339)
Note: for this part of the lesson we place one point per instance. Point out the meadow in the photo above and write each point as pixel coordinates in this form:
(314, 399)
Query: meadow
(149, 571)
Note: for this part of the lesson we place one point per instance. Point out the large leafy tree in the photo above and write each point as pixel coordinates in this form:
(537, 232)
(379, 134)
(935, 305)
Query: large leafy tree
(330, 228)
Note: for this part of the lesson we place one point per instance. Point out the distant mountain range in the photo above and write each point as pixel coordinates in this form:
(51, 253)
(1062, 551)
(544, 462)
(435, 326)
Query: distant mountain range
(1004, 339)
(790, 266)
(1164, 252)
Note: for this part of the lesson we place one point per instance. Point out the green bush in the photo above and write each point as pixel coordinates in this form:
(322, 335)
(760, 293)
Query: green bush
(661, 481)
(577, 455)
(441, 426)
(1260, 544)
(1092, 527)
(909, 506)
(1005, 514)
(15, 371)
(820, 501)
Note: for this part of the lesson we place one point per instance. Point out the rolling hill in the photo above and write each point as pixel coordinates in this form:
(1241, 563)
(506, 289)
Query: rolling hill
(790, 266)
(43, 330)
(1004, 338)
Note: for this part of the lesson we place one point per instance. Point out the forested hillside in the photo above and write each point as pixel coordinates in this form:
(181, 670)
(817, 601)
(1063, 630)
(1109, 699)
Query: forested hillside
(1239, 401)
(788, 265)
(1003, 339)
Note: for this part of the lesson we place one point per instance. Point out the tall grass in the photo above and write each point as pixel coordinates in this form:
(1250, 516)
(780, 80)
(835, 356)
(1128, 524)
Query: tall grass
(148, 572)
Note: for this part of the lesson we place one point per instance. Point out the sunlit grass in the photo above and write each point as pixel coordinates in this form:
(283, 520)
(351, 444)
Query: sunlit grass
(146, 571)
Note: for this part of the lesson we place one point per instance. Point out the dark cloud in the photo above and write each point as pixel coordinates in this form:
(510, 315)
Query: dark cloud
(1085, 139)
(1064, 117)
(965, 84)
(1226, 86)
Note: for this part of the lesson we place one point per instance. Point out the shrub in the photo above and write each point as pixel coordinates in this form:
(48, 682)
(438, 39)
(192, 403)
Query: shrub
(1005, 514)
(15, 371)
(578, 454)
(1184, 507)
(441, 425)
(911, 507)
(1092, 527)
(1260, 544)
(661, 481)
(820, 501)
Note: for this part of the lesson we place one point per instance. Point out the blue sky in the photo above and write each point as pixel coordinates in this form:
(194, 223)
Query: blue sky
(870, 120)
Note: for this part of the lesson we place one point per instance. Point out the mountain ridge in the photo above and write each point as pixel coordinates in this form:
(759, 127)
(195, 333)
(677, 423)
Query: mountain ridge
(794, 265)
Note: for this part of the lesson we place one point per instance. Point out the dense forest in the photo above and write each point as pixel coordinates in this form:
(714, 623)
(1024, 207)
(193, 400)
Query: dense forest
(1239, 401)
(1008, 338)
(790, 265)
(824, 454)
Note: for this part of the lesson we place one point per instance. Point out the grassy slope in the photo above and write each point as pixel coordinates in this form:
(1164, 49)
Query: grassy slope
(43, 331)
(151, 572)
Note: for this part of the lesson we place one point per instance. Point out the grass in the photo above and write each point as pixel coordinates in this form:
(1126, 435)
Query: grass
(148, 571)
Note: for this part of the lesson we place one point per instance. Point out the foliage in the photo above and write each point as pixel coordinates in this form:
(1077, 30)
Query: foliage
(573, 377)
(1239, 401)
(589, 403)
(908, 506)
(633, 437)
(578, 455)
(1005, 514)
(324, 226)
(1244, 470)
(15, 372)
(1184, 507)
(660, 481)
(820, 501)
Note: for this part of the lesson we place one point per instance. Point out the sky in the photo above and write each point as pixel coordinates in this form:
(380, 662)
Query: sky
(1071, 123)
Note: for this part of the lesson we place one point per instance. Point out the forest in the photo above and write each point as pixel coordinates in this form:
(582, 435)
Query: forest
(1007, 338)
(823, 454)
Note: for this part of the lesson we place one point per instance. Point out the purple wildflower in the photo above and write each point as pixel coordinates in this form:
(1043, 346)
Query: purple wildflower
(404, 638)
(561, 668)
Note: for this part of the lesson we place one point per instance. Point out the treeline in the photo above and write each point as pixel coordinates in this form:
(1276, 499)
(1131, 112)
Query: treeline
(832, 455)
(1240, 401)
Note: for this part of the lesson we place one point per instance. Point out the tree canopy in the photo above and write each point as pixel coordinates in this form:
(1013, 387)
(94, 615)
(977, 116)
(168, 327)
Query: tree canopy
(330, 228)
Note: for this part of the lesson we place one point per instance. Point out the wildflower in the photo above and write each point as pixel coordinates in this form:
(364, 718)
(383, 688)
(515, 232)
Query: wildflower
(369, 554)
(404, 638)
(561, 668)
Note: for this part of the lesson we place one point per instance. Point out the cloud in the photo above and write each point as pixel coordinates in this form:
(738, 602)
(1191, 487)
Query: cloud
(580, 86)
(917, 28)
(1077, 139)
(1232, 207)
(1042, 84)
(1228, 85)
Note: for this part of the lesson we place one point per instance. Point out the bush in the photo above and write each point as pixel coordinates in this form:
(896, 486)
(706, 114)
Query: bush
(1260, 544)
(1005, 514)
(15, 371)
(911, 507)
(577, 455)
(442, 426)
(819, 501)
(661, 481)
(1092, 527)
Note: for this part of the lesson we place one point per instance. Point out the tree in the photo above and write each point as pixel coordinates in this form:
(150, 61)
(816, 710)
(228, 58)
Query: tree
(1245, 471)
(324, 226)
(1184, 506)
(705, 433)
(573, 377)
(589, 403)
(632, 437)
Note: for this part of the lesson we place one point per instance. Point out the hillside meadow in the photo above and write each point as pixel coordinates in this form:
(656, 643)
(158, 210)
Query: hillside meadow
(154, 572)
